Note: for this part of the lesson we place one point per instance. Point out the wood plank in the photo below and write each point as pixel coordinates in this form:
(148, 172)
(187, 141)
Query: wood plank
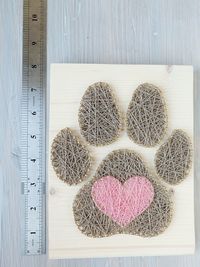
(67, 85)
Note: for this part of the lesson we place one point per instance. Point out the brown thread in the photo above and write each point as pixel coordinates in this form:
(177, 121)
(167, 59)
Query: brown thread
(99, 117)
(146, 117)
(123, 164)
(173, 159)
(69, 157)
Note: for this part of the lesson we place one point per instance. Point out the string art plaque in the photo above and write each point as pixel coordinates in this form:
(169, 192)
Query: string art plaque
(121, 160)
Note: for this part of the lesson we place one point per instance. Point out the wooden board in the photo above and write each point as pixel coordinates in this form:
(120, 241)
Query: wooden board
(67, 85)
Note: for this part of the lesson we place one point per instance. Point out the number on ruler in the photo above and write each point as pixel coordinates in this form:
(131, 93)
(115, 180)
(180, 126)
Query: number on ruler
(34, 17)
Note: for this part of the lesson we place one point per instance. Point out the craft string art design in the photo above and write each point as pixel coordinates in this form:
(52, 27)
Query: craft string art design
(99, 116)
(173, 159)
(123, 196)
(70, 158)
(96, 218)
(146, 116)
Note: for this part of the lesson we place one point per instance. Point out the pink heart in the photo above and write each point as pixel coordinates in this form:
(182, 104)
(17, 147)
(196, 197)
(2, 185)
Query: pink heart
(122, 202)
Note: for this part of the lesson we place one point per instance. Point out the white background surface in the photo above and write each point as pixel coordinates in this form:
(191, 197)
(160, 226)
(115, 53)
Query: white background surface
(92, 31)
(67, 86)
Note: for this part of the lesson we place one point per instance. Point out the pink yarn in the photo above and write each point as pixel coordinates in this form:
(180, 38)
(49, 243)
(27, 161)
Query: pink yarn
(122, 202)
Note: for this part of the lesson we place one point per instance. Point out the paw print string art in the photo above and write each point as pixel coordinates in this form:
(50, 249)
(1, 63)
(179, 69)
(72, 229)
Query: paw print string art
(123, 196)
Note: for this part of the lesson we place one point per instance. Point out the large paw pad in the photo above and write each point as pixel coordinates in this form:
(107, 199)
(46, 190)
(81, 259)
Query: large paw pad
(95, 216)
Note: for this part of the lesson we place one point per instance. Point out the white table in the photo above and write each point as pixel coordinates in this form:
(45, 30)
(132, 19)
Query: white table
(91, 31)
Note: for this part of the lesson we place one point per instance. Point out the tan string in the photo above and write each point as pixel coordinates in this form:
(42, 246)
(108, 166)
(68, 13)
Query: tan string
(101, 122)
(123, 164)
(173, 159)
(146, 117)
(70, 158)
(99, 116)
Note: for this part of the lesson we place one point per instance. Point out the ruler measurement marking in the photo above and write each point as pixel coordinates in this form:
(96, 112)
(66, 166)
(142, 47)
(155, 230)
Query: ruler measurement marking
(33, 125)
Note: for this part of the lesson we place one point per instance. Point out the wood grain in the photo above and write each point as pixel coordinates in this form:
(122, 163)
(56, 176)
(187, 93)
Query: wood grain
(92, 31)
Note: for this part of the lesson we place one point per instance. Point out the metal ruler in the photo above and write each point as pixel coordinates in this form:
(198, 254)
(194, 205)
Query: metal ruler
(33, 123)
